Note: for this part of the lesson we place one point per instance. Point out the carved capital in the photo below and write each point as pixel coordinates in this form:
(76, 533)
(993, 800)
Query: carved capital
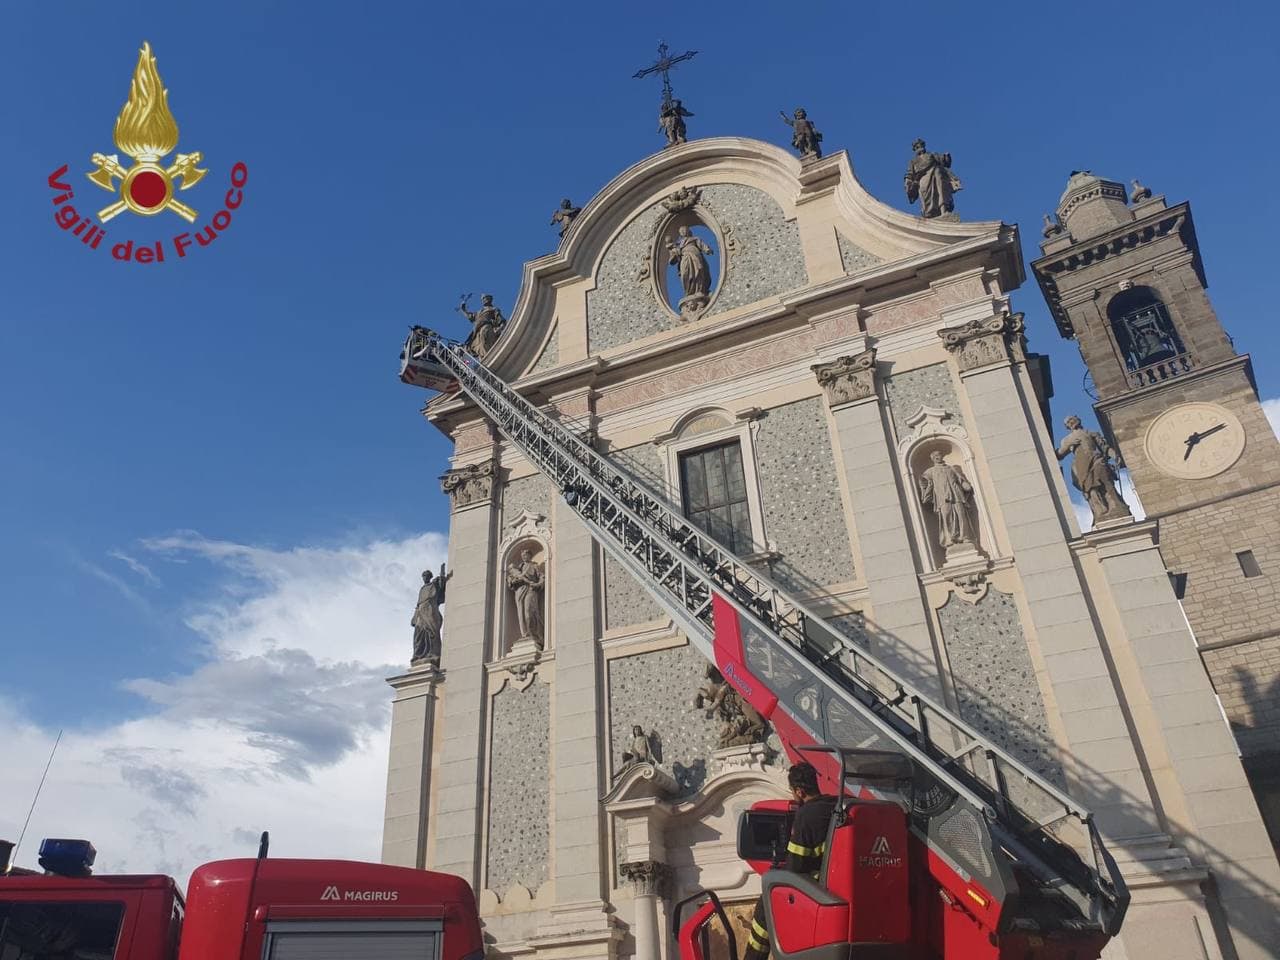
(648, 877)
(847, 379)
(980, 343)
(469, 485)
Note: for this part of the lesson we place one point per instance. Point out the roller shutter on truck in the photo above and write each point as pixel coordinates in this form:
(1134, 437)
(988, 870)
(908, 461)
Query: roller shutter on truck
(353, 940)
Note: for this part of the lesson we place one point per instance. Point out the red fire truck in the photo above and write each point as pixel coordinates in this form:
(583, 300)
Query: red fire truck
(248, 909)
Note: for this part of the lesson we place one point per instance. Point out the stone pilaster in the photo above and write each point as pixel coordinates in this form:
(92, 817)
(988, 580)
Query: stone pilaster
(1186, 743)
(578, 864)
(884, 538)
(467, 631)
(413, 727)
(1104, 762)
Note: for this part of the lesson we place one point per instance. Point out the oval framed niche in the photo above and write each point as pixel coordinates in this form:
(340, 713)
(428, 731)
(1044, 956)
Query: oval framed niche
(688, 267)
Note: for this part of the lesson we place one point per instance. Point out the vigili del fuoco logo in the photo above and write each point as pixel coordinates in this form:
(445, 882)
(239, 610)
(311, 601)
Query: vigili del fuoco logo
(147, 132)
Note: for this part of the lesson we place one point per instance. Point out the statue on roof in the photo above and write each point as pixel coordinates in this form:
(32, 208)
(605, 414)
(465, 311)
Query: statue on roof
(427, 621)
(564, 215)
(929, 179)
(805, 136)
(487, 325)
(671, 121)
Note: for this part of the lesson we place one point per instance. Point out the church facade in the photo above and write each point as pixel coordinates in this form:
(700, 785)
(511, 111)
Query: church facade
(844, 394)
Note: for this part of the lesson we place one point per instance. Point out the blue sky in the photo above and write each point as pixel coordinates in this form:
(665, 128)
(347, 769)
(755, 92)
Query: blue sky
(211, 471)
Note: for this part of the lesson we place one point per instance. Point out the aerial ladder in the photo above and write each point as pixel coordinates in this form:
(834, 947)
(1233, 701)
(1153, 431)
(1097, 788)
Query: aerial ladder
(945, 846)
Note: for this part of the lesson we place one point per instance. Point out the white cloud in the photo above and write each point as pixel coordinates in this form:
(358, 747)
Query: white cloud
(282, 726)
(137, 566)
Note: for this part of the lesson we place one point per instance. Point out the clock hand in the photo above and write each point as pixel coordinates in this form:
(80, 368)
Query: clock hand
(1191, 441)
(1213, 429)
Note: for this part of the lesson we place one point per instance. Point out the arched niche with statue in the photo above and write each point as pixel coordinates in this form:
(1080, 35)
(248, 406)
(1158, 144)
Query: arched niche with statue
(525, 598)
(951, 521)
(687, 271)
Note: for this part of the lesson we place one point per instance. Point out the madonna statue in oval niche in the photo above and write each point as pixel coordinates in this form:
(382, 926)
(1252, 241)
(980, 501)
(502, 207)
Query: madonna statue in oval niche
(688, 254)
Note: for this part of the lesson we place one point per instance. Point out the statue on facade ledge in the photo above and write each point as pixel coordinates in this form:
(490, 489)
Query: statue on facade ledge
(487, 325)
(929, 179)
(1092, 472)
(948, 493)
(564, 215)
(527, 583)
(641, 748)
(427, 621)
(805, 137)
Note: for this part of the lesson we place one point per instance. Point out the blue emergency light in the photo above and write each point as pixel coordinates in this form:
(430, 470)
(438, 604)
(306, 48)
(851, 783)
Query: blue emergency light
(67, 858)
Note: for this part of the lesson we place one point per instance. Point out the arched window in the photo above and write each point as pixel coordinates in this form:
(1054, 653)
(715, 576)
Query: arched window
(1144, 332)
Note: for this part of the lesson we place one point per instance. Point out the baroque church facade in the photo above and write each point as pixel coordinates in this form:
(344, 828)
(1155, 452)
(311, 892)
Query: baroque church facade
(849, 401)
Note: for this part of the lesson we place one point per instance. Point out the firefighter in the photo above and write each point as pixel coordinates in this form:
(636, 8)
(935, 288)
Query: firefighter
(805, 848)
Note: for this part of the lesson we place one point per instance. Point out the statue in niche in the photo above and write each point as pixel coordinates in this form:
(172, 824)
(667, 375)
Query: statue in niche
(946, 491)
(671, 121)
(929, 179)
(427, 621)
(487, 325)
(641, 749)
(564, 215)
(527, 582)
(740, 723)
(1092, 471)
(689, 253)
(805, 137)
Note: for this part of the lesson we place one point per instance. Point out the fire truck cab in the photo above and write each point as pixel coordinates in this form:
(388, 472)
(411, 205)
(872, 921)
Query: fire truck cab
(248, 909)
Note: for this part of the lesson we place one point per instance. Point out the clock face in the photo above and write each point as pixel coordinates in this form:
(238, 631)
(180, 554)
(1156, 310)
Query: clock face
(1193, 441)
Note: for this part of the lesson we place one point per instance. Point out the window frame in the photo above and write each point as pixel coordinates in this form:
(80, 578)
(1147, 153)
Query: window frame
(690, 432)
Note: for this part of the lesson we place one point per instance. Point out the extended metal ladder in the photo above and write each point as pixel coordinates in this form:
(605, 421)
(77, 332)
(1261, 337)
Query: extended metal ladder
(985, 813)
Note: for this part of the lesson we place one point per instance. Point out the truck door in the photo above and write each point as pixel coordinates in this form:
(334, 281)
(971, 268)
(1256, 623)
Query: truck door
(353, 940)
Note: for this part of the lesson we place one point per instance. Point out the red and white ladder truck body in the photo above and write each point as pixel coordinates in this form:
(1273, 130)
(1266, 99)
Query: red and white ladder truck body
(945, 847)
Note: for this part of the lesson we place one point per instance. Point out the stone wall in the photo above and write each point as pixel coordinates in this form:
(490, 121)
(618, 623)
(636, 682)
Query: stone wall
(995, 681)
(800, 495)
(852, 256)
(765, 259)
(1246, 677)
(910, 390)
(527, 493)
(550, 355)
(626, 602)
(519, 789)
(656, 690)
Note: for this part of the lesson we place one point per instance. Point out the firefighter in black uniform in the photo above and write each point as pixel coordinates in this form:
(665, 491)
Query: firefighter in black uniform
(804, 850)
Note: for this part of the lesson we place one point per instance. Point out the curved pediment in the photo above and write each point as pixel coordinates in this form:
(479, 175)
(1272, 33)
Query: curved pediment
(771, 226)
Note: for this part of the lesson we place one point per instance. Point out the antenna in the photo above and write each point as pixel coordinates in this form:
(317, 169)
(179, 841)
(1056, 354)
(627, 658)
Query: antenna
(36, 798)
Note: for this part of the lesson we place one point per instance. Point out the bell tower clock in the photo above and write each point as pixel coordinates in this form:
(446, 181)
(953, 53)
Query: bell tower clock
(1123, 278)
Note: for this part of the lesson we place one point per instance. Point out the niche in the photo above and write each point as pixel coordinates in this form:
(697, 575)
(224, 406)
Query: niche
(524, 609)
(688, 268)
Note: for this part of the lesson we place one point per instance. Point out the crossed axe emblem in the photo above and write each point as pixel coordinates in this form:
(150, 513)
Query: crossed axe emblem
(185, 169)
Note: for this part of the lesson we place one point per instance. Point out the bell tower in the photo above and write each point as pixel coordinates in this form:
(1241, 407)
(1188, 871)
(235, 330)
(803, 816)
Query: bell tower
(1124, 278)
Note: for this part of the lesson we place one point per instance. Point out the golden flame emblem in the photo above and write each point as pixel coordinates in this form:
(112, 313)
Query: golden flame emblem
(146, 131)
